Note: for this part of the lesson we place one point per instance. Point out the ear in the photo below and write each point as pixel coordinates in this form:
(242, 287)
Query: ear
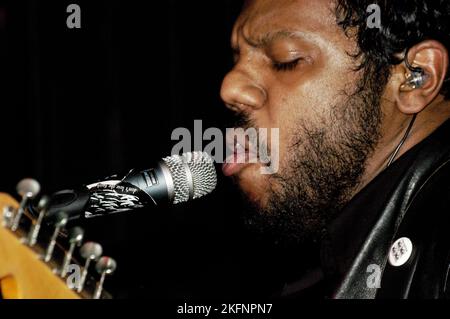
(432, 57)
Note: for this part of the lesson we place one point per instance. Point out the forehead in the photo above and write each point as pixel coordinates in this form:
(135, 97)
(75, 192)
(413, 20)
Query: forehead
(313, 17)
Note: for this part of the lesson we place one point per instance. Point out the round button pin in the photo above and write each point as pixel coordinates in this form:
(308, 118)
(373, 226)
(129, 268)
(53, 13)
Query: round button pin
(400, 252)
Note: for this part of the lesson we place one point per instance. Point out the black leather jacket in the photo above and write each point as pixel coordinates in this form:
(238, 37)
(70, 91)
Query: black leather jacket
(410, 199)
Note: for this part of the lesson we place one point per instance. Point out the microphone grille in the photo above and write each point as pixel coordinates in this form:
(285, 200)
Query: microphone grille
(193, 174)
(179, 177)
(204, 175)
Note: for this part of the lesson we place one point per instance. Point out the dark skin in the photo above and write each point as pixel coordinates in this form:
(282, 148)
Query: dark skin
(292, 63)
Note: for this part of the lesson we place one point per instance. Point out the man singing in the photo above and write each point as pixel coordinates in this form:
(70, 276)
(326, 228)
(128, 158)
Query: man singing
(364, 141)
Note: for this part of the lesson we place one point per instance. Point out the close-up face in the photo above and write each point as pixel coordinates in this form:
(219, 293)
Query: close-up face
(293, 71)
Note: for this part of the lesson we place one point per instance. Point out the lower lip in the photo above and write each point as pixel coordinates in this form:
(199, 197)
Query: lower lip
(230, 169)
(234, 166)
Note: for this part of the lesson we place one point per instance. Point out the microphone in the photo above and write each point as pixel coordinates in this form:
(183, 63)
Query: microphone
(174, 180)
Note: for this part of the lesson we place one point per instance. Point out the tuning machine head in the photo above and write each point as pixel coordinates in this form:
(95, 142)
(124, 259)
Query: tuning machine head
(42, 209)
(76, 235)
(90, 251)
(27, 188)
(7, 216)
(61, 220)
(105, 266)
(43, 203)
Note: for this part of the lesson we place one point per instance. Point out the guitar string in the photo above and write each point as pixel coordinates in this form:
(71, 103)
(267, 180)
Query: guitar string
(57, 244)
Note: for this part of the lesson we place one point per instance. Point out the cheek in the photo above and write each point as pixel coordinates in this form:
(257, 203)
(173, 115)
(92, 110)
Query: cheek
(309, 104)
(310, 92)
(289, 111)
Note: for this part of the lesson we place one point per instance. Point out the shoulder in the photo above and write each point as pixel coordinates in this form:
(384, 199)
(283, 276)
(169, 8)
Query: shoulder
(427, 223)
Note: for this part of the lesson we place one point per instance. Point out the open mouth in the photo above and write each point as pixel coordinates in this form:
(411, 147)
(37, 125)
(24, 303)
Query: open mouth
(236, 162)
(240, 157)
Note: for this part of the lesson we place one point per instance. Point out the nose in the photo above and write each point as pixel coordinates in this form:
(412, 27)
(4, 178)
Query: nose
(240, 93)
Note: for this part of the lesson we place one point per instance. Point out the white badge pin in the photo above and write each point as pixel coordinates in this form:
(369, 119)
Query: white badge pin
(400, 252)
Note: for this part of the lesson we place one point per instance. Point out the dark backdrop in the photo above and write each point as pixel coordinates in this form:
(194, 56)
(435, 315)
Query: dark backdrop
(78, 105)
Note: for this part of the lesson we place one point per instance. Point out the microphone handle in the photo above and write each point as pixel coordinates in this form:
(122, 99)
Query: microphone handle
(139, 189)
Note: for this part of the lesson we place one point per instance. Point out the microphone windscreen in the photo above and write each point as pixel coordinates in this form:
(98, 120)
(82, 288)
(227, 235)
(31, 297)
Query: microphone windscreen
(193, 174)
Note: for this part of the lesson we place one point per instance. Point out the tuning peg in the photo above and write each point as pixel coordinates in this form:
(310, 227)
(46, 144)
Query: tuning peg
(105, 266)
(89, 251)
(61, 221)
(27, 188)
(8, 216)
(76, 235)
(42, 209)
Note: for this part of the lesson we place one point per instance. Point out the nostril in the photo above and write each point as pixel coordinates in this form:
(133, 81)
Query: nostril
(244, 99)
(232, 107)
(240, 92)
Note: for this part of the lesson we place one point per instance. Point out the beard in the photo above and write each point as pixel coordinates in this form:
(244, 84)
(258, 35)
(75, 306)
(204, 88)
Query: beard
(325, 162)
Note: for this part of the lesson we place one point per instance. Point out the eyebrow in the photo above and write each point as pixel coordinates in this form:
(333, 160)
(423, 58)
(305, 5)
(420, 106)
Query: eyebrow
(267, 38)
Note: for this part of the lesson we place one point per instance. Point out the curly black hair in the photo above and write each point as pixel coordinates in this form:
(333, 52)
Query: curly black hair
(404, 23)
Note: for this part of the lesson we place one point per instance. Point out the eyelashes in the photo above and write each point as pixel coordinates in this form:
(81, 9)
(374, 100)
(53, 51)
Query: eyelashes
(277, 66)
(286, 66)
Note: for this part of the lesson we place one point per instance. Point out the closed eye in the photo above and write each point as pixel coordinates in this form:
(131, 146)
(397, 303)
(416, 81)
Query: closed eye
(286, 66)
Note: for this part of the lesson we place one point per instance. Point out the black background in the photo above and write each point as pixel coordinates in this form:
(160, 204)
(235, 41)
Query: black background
(81, 104)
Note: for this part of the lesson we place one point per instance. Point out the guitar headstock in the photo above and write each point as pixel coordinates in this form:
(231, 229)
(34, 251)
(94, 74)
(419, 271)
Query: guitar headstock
(37, 257)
